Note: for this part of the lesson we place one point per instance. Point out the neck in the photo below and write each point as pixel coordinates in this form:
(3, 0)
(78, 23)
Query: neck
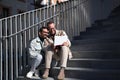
(42, 39)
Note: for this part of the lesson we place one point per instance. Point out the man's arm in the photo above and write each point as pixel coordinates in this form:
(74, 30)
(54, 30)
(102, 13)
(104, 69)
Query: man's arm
(34, 48)
(67, 43)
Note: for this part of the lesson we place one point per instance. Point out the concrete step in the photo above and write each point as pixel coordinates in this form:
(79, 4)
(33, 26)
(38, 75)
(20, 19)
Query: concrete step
(89, 73)
(96, 33)
(72, 79)
(104, 64)
(110, 20)
(95, 41)
(96, 54)
(49, 78)
(98, 36)
(104, 26)
(97, 46)
(100, 30)
(115, 11)
(34, 78)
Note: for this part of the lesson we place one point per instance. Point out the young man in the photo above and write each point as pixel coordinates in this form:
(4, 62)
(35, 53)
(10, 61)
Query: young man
(35, 49)
(60, 52)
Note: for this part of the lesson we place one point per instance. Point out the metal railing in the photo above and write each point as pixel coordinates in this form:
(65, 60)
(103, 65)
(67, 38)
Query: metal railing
(17, 30)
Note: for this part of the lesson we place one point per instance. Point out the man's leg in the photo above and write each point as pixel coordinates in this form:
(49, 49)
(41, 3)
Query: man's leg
(53, 2)
(35, 62)
(63, 61)
(48, 60)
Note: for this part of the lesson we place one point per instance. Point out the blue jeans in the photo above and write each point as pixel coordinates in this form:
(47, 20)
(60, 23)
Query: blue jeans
(35, 62)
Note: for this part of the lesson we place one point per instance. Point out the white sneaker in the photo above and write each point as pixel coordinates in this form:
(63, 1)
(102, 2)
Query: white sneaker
(30, 74)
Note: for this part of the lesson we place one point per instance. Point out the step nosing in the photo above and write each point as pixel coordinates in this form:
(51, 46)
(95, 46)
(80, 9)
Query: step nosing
(81, 51)
(90, 69)
(93, 59)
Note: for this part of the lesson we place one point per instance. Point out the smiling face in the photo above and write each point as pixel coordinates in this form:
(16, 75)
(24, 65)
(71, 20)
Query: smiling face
(43, 33)
(52, 28)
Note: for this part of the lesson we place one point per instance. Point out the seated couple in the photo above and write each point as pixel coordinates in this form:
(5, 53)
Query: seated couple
(45, 42)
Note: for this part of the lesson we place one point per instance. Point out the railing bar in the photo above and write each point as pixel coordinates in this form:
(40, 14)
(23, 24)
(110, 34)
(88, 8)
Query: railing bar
(44, 16)
(54, 12)
(57, 18)
(16, 51)
(37, 18)
(68, 18)
(20, 49)
(21, 35)
(1, 56)
(47, 12)
(63, 17)
(79, 17)
(40, 17)
(33, 24)
(50, 11)
(25, 28)
(71, 23)
(24, 43)
(66, 28)
(6, 52)
(28, 26)
(76, 23)
(11, 47)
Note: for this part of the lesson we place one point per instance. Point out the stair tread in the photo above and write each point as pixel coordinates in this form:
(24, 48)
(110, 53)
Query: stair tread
(90, 69)
(72, 79)
(93, 59)
(34, 78)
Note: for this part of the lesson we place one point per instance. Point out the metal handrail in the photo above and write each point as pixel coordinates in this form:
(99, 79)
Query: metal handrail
(57, 13)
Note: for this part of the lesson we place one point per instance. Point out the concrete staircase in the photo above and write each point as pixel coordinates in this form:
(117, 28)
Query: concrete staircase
(96, 51)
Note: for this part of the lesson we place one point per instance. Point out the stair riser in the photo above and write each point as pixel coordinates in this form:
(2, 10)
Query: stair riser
(97, 48)
(103, 36)
(90, 75)
(94, 32)
(97, 54)
(93, 42)
(95, 64)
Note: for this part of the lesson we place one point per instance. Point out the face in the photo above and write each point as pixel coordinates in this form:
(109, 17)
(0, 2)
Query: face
(52, 28)
(44, 33)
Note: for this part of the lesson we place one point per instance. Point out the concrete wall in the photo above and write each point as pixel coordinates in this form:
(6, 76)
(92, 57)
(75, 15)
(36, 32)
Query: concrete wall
(100, 9)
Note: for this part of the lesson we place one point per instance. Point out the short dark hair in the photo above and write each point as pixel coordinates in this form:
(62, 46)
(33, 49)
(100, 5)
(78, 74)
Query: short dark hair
(41, 29)
(50, 22)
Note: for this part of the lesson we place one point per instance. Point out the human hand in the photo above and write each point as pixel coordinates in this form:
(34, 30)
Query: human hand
(65, 44)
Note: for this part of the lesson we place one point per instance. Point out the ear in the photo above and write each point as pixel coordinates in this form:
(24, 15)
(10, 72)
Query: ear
(39, 33)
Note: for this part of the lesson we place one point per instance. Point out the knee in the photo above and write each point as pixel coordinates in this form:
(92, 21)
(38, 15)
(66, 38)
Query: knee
(49, 53)
(39, 57)
(64, 47)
